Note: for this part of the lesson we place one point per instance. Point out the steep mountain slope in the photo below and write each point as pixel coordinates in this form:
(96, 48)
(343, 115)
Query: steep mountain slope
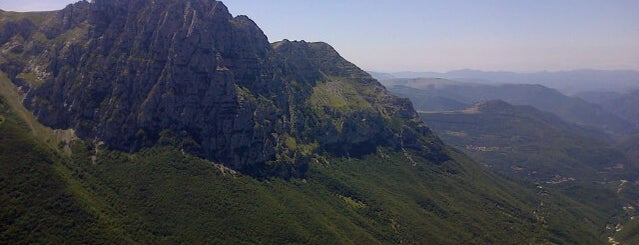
(161, 195)
(133, 74)
(350, 201)
(194, 129)
(568, 108)
(35, 203)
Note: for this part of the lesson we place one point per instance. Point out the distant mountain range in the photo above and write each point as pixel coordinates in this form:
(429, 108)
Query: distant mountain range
(568, 82)
(624, 105)
(431, 94)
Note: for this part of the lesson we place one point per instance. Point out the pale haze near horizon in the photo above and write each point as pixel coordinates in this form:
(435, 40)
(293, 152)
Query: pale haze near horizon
(444, 35)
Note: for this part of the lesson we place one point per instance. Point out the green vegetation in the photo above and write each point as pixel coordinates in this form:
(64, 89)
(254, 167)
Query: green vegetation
(630, 147)
(443, 95)
(161, 195)
(629, 234)
(524, 143)
(36, 203)
(290, 142)
(36, 18)
(31, 78)
(325, 154)
(13, 100)
(339, 94)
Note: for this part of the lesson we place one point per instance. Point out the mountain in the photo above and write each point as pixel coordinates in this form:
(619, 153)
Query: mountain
(380, 75)
(524, 143)
(535, 145)
(568, 82)
(203, 80)
(624, 105)
(631, 147)
(629, 234)
(428, 95)
(161, 195)
(36, 206)
(457, 94)
(175, 122)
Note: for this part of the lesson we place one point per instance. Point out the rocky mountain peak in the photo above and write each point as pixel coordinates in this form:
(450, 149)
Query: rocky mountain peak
(137, 73)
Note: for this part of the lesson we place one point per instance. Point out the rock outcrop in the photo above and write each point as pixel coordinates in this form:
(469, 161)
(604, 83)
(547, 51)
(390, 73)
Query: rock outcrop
(135, 73)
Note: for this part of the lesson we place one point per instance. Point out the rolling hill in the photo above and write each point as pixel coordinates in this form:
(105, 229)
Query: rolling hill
(522, 142)
(428, 95)
(624, 105)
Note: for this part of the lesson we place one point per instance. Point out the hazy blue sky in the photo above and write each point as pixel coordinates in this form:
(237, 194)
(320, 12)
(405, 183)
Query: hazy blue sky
(442, 35)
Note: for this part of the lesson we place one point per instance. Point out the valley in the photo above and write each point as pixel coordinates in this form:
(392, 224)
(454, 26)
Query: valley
(583, 161)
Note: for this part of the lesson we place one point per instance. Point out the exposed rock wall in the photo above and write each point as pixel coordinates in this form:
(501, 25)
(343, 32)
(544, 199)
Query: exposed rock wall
(134, 73)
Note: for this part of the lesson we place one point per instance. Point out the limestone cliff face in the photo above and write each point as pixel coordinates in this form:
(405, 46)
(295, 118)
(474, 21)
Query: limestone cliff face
(135, 73)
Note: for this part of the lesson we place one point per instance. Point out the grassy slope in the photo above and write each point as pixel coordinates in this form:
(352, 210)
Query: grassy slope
(13, 100)
(36, 204)
(160, 195)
